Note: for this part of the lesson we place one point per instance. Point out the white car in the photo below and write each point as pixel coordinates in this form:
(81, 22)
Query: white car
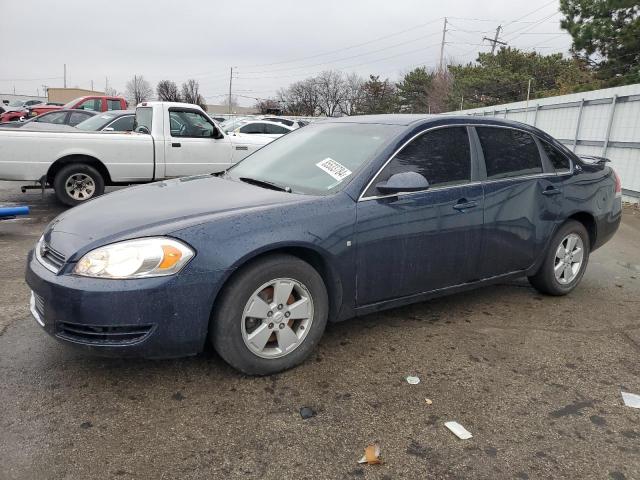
(169, 140)
(264, 128)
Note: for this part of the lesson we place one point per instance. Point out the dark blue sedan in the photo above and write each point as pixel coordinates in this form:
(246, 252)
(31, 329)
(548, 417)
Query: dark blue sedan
(341, 218)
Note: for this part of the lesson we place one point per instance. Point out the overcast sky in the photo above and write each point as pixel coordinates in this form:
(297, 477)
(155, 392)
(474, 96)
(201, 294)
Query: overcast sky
(271, 43)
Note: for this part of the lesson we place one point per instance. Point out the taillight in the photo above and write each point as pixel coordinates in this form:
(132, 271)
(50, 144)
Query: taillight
(618, 183)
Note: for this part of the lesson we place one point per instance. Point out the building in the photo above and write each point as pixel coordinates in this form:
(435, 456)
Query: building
(65, 95)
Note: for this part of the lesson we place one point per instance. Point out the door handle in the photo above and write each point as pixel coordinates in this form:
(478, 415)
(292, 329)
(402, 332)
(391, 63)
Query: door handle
(551, 191)
(176, 145)
(464, 205)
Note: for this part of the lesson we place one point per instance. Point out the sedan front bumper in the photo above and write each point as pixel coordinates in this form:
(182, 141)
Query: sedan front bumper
(160, 317)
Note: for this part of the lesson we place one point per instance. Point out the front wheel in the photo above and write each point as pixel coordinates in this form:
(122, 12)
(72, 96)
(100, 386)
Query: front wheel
(270, 315)
(565, 262)
(77, 183)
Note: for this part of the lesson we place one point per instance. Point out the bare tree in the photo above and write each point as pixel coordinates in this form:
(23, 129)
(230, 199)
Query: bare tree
(167, 91)
(234, 101)
(300, 98)
(111, 92)
(353, 95)
(438, 92)
(191, 94)
(331, 91)
(138, 90)
(268, 106)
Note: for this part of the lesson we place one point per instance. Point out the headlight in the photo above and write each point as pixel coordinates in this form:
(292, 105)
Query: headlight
(140, 258)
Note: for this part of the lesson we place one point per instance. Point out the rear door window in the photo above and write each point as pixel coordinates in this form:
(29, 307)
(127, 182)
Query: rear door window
(76, 117)
(53, 117)
(559, 161)
(509, 153)
(253, 128)
(114, 104)
(442, 156)
(275, 129)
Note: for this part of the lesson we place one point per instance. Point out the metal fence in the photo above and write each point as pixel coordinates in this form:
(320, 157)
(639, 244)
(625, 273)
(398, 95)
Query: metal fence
(601, 122)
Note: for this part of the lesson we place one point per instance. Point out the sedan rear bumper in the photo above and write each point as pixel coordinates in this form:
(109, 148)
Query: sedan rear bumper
(161, 317)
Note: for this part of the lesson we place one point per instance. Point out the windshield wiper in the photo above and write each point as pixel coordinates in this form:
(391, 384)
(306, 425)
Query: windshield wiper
(265, 184)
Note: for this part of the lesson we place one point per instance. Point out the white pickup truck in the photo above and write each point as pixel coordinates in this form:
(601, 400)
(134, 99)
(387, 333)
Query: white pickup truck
(169, 140)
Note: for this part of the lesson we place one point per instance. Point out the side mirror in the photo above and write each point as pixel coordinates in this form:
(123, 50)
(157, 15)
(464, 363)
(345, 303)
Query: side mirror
(143, 129)
(108, 129)
(216, 134)
(403, 182)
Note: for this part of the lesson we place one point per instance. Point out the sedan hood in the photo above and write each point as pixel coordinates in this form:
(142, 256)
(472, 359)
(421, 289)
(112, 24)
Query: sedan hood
(156, 209)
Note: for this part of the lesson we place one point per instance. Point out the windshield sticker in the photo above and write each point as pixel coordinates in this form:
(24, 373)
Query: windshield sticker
(333, 168)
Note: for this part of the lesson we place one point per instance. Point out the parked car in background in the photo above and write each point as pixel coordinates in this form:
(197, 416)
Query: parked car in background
(287, 121)
(263, 128)
(218, 119)
(15, 109)
(59, 117)
(232, 123)
(113, 121)
(169, 140)
(338, 219)
(93, 103)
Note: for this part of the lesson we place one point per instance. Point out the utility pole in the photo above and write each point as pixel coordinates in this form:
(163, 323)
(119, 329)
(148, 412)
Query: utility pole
(106, 84)
(65, 75)
(528, 92)
(461, 102)
(444, 33)
(92, 85)
(230, 85)
(494, 41)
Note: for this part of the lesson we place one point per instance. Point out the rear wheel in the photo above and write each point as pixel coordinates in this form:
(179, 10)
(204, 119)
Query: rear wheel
(77, 183)
(270, 316)
(565, 261)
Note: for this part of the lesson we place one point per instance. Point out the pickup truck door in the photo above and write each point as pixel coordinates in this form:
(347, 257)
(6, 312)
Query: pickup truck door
(189, 146)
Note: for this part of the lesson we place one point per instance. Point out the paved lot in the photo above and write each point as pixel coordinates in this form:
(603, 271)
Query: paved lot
(536, 379)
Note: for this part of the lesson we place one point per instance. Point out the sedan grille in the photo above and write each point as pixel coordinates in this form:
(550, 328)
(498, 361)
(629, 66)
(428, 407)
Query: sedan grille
(49, 257)
(103, 335)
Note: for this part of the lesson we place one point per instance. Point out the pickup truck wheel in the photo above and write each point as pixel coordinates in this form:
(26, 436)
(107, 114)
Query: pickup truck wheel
(270, 315)
(77, 183)
(565, 261)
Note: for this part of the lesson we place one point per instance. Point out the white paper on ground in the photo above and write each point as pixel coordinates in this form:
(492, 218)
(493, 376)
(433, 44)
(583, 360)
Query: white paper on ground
(458, 430)
(631, 399)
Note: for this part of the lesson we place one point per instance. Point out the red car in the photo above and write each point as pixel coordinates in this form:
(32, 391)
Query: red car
(92, 103)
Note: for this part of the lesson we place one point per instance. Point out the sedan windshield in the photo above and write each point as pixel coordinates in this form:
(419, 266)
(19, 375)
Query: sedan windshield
(315, 159)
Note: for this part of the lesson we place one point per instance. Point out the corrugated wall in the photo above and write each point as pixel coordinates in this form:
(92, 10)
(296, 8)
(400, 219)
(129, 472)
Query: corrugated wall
(601, 122)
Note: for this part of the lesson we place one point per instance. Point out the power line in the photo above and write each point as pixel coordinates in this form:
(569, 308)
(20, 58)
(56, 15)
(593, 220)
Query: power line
(348, 47)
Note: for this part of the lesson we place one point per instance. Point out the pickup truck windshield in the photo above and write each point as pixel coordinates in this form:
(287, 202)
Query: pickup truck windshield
(316, 159)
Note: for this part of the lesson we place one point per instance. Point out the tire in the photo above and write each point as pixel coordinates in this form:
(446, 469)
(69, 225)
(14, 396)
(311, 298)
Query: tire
(545, 279)
(232, 325)
(90, 184)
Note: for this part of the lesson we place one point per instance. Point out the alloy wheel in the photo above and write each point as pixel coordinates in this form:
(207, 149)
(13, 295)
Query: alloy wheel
(80, 186)
(277, 318)
(568, 259)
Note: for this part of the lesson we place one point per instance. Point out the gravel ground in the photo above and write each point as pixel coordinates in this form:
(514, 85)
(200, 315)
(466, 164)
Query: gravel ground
(535, 379)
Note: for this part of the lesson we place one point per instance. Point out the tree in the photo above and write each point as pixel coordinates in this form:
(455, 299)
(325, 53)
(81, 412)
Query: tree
(300, 98)
(138, 90)
(331, 90)
(167, 91)
(379, 96)
(504, 77)
(268, 106)
(353, 95)
(606, 34)
(233, 103)
(413, 91)
(191, 94)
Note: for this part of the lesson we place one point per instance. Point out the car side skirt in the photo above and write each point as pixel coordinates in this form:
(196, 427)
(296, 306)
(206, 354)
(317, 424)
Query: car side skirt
(421, 297)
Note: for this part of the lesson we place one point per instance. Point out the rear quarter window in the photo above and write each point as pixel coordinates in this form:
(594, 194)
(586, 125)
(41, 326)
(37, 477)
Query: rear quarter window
(559, 161)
